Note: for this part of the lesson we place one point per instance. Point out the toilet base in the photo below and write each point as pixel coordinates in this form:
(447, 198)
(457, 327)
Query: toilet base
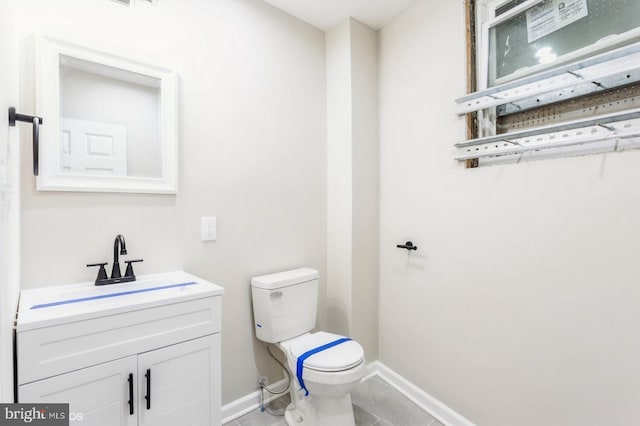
(319, 411)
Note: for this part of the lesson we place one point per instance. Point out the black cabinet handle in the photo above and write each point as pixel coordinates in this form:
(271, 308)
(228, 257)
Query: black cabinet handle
(148, 395)
(130, 394)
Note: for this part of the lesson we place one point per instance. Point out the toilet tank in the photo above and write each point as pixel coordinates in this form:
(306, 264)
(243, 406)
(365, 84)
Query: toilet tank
(284, 304)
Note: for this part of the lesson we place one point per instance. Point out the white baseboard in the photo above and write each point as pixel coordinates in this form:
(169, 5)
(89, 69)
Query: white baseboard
(248, 403)
(426, 402)
(431, 405)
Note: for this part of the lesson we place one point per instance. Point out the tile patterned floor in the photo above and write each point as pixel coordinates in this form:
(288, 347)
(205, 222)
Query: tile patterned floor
(375, 403)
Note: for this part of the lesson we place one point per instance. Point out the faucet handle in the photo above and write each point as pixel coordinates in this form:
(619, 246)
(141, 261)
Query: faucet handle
(102, 273)
(129, 271)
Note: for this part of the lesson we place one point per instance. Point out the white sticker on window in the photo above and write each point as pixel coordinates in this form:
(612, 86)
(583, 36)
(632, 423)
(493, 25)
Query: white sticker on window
(552, 15)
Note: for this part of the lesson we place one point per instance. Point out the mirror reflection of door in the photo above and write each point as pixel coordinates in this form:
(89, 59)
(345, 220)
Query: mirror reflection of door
(93, 148)
(100, 102)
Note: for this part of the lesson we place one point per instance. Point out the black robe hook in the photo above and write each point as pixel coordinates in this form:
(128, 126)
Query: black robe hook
(408, 245)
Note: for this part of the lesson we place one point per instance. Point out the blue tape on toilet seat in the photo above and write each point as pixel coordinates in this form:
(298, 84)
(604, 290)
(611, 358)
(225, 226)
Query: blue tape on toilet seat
(304, 356)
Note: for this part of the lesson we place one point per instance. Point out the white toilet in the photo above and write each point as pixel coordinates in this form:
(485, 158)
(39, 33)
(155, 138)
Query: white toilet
(325, 367)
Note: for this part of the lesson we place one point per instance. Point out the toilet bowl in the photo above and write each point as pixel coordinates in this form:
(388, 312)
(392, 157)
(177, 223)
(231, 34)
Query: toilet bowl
(325, 367)
(329, 377)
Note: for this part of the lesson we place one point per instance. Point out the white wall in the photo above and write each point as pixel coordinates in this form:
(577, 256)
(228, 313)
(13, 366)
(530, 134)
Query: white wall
(252, 153)
(9, 199)
(339, 178)
(521, 305)
(364, 133)
(352, 177)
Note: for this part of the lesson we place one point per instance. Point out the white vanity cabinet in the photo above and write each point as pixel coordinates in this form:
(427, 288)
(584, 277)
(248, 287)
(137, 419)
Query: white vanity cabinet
(141, 353)
(95, 395)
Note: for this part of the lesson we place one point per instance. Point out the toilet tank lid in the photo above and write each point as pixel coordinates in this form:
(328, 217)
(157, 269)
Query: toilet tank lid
(284, 279)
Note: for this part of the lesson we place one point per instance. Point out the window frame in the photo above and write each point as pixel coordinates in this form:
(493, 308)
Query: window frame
(486, 19)
(481, 106)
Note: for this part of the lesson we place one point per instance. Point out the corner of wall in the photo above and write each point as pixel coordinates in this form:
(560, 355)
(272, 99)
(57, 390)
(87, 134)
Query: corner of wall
(352, 194)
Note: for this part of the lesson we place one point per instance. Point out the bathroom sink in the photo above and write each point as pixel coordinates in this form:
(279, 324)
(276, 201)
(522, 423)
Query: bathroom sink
(46, 306)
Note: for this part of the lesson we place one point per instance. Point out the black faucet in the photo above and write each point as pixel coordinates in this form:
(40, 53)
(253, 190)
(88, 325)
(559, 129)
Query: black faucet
(119, 241)
(119, 247)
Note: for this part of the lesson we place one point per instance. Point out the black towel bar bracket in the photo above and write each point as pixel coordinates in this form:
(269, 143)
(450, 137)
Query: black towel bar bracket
(408, 245)
(36, 122)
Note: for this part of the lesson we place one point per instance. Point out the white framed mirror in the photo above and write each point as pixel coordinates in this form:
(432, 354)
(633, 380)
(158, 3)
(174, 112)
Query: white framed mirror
(109, 123)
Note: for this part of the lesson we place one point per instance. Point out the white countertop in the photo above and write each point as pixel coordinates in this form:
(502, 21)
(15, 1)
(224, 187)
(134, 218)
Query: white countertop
(47, 306)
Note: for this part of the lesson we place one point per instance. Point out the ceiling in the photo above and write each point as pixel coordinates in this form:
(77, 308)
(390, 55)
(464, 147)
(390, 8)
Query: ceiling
(325, 14)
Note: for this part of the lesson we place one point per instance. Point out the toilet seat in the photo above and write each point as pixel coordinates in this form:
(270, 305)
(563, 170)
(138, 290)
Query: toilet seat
(337, 358)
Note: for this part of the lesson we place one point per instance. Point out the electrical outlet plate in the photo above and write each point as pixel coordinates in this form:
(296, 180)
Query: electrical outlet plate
(208, 229)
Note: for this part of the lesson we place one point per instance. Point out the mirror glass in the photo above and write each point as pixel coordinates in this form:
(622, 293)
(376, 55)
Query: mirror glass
(109, 122)
(119, 135)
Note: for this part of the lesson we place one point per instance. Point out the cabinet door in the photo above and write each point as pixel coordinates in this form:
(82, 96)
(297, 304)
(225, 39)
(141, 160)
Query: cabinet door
(180, 384)
(98, 395)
